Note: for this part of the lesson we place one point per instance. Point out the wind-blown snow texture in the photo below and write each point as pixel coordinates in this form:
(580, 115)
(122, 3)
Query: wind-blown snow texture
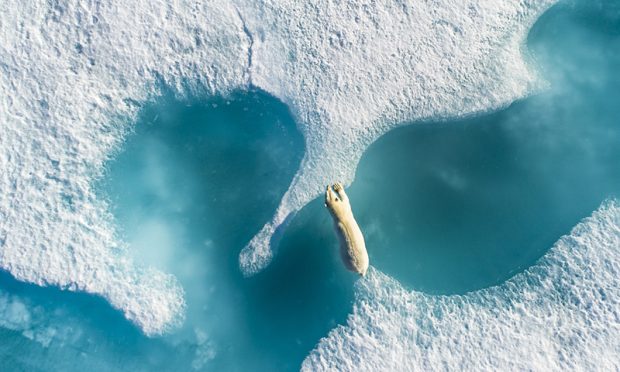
(72, 72)
(561, 314)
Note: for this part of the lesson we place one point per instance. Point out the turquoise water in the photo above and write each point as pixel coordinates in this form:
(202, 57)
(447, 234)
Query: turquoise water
(465, 205)
(499, 200)
(446, 207)
(194, 184)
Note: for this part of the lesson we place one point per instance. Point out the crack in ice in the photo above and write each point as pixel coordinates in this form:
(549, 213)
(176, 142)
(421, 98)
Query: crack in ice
(250, 37)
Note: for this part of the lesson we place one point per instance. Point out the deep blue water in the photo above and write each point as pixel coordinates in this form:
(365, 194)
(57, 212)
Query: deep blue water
(446, 207)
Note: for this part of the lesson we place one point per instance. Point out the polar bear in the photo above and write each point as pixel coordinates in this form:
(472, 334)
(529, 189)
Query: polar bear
(352, 246)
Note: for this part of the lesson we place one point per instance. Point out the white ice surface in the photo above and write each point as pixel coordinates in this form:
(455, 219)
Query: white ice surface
(352, 70)
(563, 314)
(72, 72)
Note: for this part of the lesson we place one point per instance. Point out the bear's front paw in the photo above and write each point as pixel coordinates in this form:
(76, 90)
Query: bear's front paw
(339, 189)
(330, 197)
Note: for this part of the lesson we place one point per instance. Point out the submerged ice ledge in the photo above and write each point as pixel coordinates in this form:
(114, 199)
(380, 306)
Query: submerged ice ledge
(349, 73)
(561, 314)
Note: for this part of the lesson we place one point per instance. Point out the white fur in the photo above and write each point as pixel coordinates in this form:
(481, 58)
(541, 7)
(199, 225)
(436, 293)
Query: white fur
(352, 245)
